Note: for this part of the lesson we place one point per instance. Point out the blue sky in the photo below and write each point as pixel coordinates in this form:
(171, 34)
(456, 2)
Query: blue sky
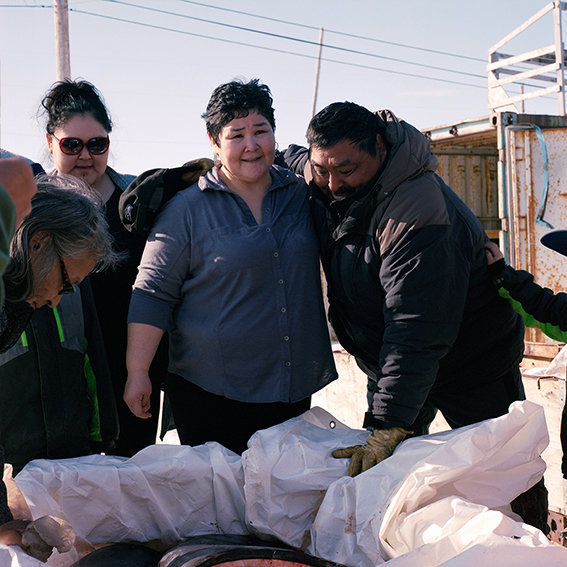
(157, 70)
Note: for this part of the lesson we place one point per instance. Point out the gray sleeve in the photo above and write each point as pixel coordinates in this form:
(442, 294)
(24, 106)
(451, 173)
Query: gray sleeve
(164, 267)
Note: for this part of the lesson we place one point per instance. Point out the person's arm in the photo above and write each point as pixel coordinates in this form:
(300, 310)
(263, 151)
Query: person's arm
(163, 270)
(424, 274)
(143, 341)
(16, 177)
(11, 532)
(538, 306)
(295, 158)
(425, 278)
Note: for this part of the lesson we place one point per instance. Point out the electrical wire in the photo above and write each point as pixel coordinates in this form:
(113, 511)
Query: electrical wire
(282, 51)
(354, 36)
(295, 39)
(279, 36)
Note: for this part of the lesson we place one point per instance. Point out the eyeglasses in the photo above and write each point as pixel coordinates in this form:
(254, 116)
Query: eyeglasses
(67, 286)
(74, 146)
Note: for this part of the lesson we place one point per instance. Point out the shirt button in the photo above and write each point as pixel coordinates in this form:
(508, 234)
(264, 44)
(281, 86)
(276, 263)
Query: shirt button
(283, 310)
(286, 338)
(288, 363)
(280, 282)
(267, 230)
(276, 254)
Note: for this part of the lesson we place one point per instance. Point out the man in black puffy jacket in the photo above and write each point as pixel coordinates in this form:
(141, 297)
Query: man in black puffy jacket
(409, 292)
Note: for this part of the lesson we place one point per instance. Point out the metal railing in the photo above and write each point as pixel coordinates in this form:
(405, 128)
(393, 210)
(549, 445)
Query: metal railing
(542, 66)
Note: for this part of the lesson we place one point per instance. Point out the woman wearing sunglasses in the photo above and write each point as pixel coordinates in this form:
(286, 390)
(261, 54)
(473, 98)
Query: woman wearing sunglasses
(78, 127)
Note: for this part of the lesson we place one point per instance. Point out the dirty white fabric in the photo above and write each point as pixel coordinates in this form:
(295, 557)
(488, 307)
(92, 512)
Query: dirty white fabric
(164, 492)
(288, 469)
(556, 368)
(428, 504)
(432, 494)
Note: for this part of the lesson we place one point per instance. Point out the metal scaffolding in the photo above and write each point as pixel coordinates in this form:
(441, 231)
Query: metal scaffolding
(545, 66)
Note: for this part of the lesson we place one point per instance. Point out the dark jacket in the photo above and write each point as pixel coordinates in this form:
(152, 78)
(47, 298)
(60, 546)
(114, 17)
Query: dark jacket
(57, 399)
(540, 308)
(408, 288)
(112, 290)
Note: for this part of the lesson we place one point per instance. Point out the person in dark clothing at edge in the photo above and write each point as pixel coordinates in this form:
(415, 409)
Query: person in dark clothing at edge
(16, 189)
(408, 287)
(56, 398)
(539, 307)
(60, 236)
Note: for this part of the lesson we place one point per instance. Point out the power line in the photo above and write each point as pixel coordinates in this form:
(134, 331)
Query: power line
(283, 51)
(286, 52)
(339, 48)
(355, 36)
(296, 39)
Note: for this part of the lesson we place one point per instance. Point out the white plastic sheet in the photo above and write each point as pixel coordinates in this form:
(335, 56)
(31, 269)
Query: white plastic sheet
(165, 493)
(430, 487)
(288, 469)
(428, 504)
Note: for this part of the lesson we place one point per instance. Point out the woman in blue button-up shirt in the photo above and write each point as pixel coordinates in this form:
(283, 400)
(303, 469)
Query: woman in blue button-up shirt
(231, 271)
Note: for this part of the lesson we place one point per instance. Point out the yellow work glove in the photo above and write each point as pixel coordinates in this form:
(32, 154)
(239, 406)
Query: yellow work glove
(379, 445)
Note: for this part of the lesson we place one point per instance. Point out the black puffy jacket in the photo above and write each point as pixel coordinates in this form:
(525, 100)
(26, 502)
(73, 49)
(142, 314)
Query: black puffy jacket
(47, 408)
(408, 288)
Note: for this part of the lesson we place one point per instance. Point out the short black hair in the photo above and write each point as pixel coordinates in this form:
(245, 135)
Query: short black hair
(235, 100)
(345, 121)
(68, 98)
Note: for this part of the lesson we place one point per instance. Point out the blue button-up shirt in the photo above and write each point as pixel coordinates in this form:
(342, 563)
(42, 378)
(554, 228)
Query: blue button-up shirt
(242, 301)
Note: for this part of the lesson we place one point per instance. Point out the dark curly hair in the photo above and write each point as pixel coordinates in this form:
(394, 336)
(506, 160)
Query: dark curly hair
(345, 121)
(235, 100)
(68, 98)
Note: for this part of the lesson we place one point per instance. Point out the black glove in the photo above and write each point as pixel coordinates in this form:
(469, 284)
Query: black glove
(146, 195)
(496, 272)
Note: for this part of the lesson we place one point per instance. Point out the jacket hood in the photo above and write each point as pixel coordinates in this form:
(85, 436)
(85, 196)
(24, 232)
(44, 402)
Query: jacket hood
(409, 153)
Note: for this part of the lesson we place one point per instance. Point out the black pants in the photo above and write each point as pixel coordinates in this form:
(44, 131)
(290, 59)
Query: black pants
(201, 416)
(462, 407)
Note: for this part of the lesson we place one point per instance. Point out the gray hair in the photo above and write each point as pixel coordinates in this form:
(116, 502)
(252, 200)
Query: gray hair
(73, 216)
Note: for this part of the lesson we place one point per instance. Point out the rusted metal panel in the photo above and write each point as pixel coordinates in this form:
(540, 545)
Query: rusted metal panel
(526, 180)
(540, 351)
(468, 164)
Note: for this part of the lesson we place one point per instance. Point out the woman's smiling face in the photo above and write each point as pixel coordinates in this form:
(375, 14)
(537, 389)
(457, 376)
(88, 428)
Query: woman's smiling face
(246, 148)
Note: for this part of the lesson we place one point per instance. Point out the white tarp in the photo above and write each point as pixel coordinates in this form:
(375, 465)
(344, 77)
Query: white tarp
(428, 504)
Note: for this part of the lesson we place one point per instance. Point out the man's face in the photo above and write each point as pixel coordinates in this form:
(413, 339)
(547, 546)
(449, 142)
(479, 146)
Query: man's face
(344, 168)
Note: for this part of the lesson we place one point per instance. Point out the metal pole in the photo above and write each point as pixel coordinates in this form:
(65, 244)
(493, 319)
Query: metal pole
(314, 107)
(60, 10)
(559, 57)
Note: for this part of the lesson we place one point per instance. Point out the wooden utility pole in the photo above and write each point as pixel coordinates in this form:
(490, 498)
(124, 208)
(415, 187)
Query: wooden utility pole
(60, 10)
(314, 107)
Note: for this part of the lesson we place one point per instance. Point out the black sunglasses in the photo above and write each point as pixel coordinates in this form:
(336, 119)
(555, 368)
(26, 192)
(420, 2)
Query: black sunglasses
(74, 146)
(67, 286)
